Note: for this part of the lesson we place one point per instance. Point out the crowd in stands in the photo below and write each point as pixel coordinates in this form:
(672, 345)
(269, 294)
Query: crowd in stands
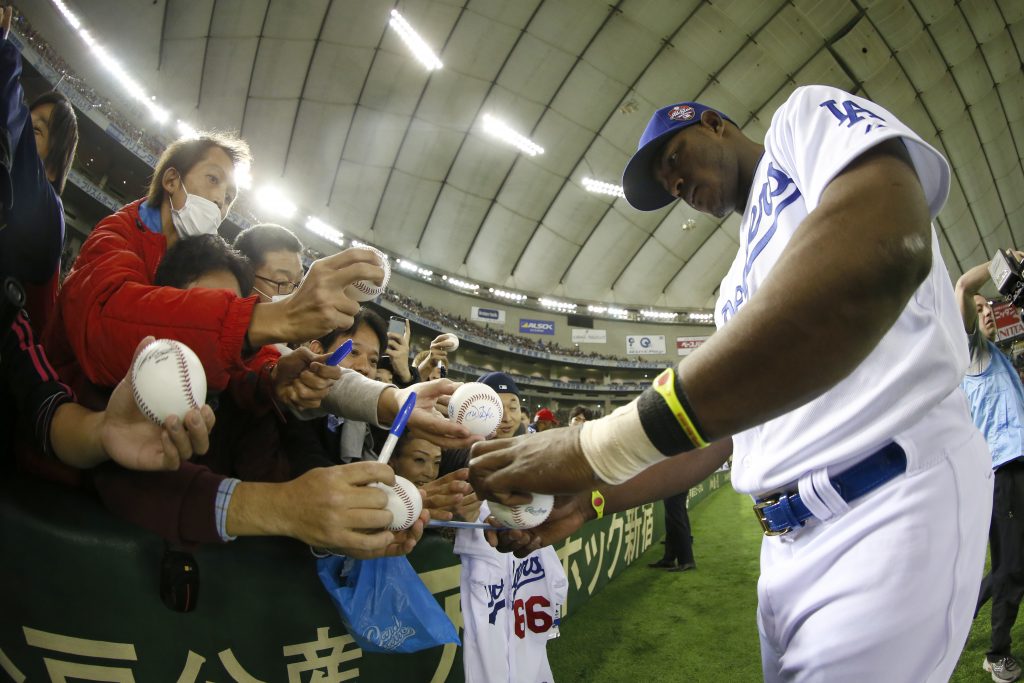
(515, 341)
(103, 105)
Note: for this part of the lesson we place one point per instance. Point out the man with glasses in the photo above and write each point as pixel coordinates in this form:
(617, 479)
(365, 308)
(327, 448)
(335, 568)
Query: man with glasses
(274, 253)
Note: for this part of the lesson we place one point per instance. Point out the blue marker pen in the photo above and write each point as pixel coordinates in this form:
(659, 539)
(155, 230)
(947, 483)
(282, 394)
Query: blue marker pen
(340, 354)
(397, 427)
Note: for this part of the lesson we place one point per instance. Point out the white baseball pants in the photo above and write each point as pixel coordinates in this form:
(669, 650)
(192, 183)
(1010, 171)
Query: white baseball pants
(885, 590)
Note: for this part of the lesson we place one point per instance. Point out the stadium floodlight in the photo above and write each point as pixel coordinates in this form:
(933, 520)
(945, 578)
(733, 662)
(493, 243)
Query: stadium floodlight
(504, 294)
(658, 314)
(601, 187)
(108, 62)
(243, 175)
(562, 306)
(186, 131)
(501, 130)
(69, 16)
(415, 269)
(324, 230)
(461, 284)
(608, 310)
(413, 40)
(275, 201)
(701, 317)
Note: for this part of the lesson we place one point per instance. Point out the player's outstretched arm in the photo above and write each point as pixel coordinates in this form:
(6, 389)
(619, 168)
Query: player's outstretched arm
(571, 512)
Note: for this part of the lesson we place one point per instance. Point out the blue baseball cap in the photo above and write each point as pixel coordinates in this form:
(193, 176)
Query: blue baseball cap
(641, 189)
(500, 382)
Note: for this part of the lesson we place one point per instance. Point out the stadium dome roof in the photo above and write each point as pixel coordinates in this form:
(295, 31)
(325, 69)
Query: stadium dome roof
(342, 116)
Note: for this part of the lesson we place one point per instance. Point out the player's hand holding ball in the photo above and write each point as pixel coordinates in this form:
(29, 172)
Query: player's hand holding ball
(508, 471)
(567, 516)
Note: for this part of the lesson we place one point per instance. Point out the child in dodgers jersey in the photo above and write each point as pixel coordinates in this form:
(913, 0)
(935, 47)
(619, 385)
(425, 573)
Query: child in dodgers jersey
(509, 606)
(885, 585)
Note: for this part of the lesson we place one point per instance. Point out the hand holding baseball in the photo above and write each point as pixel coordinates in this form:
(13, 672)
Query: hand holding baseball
(425, 421)
(445, 342)
(334, 507)
(136, 442)
(321, 304)
(509, 470)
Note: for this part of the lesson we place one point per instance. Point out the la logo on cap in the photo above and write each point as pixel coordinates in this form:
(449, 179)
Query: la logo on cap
(682, 112)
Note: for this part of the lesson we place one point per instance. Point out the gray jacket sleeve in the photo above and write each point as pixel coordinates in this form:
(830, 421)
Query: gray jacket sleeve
(352, 397)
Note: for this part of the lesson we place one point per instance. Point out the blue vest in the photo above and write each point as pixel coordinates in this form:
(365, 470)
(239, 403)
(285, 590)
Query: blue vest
(996, 397)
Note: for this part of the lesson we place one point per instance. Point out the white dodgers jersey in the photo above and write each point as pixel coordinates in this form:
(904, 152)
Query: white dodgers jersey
(909, 381)
(509, 606)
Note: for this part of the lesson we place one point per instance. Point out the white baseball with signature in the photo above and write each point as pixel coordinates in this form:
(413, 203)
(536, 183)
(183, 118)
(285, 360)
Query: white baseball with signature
(525, 516)
(477, 407)
(404, 502)
(168, 379)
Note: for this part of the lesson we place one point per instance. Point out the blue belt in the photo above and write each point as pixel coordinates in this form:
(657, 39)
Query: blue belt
(782, 513)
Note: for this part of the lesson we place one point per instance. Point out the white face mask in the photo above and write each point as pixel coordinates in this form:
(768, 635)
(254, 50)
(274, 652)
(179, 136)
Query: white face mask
(197, 216)
(273, 299)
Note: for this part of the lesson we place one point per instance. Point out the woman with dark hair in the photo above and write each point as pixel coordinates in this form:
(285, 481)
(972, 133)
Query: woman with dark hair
(37, 146)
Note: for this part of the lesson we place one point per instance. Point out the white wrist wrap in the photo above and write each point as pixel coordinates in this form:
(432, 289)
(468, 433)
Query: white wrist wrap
(617, 447)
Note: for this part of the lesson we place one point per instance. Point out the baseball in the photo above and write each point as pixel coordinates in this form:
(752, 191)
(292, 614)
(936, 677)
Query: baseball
(524, 516)
(404, 503)
(168, 379)
(366, 290)
(476, 406)
(446, 341)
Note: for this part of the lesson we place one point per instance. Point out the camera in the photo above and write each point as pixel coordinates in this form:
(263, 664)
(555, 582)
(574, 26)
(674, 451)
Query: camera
(1008, 275)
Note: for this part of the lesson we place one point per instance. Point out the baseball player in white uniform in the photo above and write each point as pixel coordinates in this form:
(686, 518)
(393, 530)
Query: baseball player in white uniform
(509, 606)
(835, 371)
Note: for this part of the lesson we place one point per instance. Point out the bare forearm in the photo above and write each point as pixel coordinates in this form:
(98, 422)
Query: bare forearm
(253, 510)
(675, 475)
(841, 283)
(971, 282)
(75, 436)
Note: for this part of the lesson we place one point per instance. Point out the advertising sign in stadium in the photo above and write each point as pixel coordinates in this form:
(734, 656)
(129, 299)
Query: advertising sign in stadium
(487, 315)
(527, 326)
(580, 336)
(1008, 323)
(645, 344)
(687, 345)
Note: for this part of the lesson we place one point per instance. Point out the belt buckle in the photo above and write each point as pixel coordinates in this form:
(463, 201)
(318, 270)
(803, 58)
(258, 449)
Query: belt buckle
(759, 513)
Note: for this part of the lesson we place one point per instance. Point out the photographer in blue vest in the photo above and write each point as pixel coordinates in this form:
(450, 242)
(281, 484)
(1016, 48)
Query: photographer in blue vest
(996, 397)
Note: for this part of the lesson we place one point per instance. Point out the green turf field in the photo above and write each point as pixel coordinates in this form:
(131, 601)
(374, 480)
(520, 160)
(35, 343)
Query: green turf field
(651, 625)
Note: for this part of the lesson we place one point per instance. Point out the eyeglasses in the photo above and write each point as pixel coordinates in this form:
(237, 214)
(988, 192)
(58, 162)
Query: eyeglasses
(283, 287)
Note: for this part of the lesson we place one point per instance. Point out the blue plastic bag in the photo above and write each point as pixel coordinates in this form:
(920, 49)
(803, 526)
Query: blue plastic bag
(384, 604)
